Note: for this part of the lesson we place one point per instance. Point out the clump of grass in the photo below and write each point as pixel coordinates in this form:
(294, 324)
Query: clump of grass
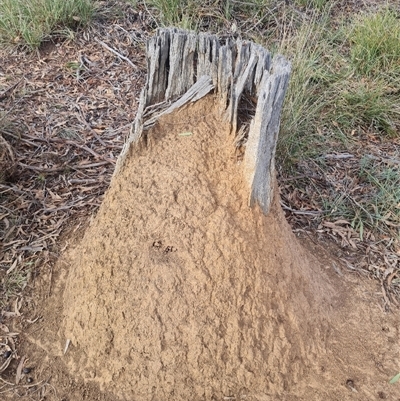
(29, 23)
(170, 12)
(372, 97)
(369, 97)
(332, 89)
(375, 44)
(310, 100)
(367, 105)
(13, 283)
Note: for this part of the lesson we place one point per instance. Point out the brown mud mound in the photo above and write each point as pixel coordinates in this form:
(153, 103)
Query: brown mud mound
(180, 291)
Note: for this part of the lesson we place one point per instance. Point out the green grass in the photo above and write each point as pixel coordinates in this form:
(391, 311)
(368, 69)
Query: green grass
(311, 92)
(13, 284)
(214, 15)
(172, 12)
(375, 44)
(383, 204)
(28, 23)
(336, 91)
(367, 105)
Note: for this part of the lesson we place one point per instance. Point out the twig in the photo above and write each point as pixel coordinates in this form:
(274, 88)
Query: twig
(7, 390)
(305, 212)
(150, 14)
(55, 169)
(5, 381)
(338, 156)
(299, 177)
(19, 370)
(117, 54)
(113, 132)
(42, 169)
(83, 166)
(81, 117)
(11, 188)
(87, 181)
(5, 93)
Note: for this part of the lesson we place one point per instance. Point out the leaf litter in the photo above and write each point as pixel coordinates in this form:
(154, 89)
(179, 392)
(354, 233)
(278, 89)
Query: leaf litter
(322, 186)
(65, 112)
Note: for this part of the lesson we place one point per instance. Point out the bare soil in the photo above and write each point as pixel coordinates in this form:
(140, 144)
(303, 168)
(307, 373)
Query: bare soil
(179, 291)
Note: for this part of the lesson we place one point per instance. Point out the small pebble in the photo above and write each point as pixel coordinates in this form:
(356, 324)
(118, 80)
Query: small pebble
(26, 370)
(7, 354)
(29, 380)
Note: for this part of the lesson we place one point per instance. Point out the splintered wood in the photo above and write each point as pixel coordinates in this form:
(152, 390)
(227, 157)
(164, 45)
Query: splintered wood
(183, 67)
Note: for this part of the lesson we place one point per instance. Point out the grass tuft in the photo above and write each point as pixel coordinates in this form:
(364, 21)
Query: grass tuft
(29, 23)
(376, 205)
(383, 204)
(13, 284)
(375, 44)
(317, 73)
(367, 105)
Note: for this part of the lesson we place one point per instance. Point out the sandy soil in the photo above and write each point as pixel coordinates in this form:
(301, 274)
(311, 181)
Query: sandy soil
(179, 291)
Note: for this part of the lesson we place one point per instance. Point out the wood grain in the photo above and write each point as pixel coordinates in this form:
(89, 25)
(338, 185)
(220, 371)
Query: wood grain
(183, 67)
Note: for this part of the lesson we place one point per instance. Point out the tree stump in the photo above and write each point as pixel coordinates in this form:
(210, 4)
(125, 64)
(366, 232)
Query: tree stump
(184, 67)
(179, 290)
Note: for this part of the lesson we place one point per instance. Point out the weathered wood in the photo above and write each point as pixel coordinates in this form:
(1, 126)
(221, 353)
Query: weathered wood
(198, 90)
(259, 157)
(207, 56)
(183, 67)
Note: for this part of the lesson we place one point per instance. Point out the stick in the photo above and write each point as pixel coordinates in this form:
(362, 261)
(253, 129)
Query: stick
(305, 212)
(55, 169)
(5, 93)
(117, 54)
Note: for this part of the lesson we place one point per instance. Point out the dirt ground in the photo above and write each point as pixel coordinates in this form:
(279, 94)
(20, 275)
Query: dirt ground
(179, 291)
(175, 289)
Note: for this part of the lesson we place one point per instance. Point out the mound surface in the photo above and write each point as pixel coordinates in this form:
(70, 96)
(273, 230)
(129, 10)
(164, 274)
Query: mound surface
(180, 291)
